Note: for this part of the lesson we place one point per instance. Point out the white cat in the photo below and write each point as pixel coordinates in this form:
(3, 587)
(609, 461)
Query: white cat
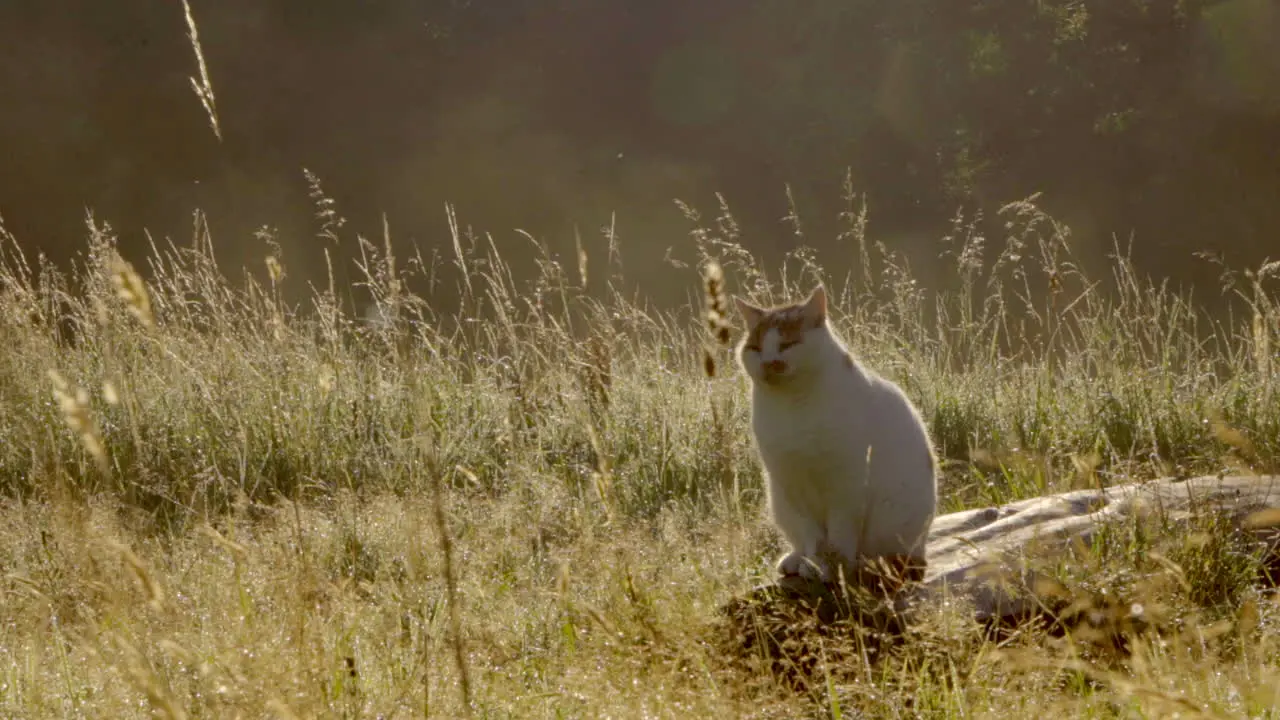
(849, 462)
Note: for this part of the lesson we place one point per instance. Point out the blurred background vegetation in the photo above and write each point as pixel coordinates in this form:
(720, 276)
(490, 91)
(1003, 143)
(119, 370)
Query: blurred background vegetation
(1156, 120)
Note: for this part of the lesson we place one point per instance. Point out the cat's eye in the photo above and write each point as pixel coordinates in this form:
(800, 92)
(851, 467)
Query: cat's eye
(782, 347)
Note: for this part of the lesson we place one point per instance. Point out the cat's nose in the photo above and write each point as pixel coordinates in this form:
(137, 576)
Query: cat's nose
(774, 366)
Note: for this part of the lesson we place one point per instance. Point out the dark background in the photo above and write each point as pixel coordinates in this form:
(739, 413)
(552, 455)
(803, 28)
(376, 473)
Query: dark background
(1156, 119)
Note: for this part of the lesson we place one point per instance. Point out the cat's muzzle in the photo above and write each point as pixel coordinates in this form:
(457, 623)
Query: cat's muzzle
(773, 371)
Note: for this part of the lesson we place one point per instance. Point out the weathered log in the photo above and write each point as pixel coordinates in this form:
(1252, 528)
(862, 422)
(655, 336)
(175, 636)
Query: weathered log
(979, 556)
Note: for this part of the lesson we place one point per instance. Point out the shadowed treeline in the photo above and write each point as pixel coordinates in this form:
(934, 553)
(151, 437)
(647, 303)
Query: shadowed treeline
(1153, 118)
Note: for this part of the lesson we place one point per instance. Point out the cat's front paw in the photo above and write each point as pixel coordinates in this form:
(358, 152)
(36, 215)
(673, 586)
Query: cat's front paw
(797, 564)
(790, 564)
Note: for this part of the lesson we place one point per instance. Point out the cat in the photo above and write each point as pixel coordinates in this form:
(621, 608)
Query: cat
(850, 467)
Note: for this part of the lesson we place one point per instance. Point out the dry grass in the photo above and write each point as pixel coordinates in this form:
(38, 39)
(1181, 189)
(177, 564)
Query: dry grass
(219, 504)
(202, 86)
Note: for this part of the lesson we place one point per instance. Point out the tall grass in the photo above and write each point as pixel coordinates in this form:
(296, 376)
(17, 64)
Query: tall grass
(267, 462)
(205, 390)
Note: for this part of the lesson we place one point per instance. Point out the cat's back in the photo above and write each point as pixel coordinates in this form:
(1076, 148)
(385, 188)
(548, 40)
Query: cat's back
(896, 416)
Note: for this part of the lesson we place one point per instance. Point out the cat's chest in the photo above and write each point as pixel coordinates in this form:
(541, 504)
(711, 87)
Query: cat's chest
(810, 437)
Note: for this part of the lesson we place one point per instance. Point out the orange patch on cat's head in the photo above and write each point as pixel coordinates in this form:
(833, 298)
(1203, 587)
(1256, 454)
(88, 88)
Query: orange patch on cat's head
(791, 321)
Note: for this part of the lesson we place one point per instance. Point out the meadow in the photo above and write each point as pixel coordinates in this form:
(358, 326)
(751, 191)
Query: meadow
(220, 502)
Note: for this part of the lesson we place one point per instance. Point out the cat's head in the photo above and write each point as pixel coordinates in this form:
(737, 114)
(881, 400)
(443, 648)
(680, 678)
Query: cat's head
(785, 342)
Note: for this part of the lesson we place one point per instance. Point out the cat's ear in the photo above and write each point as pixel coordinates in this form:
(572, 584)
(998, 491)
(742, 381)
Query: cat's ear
(815, 308)
(749, 312)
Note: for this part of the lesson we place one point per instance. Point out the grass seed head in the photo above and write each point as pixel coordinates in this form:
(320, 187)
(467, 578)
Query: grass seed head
(274, 269)
(146, 579)
(717, 304)
(1234, 438)
(716, 313)
(1267, 518)
(582, 260)
(202, 87)
(132, 290)
(236, 549)
(327, 379)
(74, 404)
